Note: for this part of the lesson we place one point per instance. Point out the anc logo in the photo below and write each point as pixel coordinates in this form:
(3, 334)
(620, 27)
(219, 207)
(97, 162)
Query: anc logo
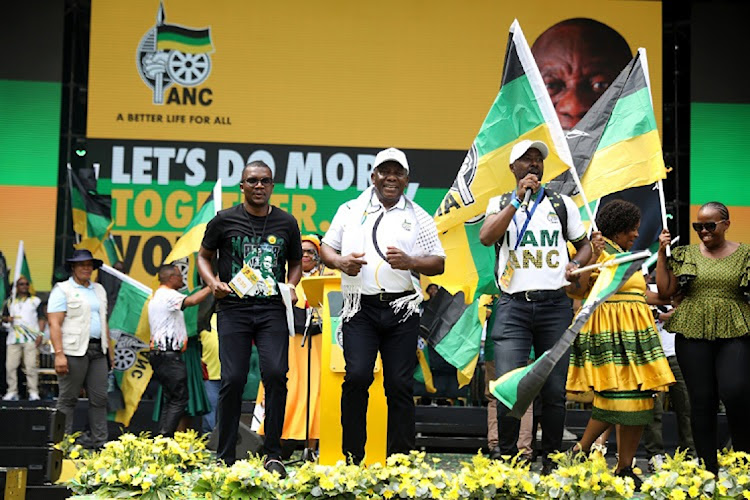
(169, 54)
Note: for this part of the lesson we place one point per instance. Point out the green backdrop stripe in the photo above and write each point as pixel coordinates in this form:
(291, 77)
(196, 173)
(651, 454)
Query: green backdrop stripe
(30, 132)
(718, 144)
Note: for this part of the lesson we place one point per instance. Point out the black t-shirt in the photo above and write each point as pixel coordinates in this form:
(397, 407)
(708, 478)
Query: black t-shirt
(240, 237)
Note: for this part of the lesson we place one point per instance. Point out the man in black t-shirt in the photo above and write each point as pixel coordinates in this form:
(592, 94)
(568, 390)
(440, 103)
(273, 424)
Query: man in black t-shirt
(267, 239)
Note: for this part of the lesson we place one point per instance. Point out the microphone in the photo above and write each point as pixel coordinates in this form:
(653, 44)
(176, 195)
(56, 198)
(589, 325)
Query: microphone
(526, 199)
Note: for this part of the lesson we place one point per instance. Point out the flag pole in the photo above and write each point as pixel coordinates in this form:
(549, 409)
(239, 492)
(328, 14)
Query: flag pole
(662, 205)
(127, 279)
(577, 180)
(17, 270)
(613, 262)
(659, 183)
(70, 186)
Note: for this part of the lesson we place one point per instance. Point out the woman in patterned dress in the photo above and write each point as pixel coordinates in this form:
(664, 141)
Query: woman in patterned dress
(618, 354)
(712, 324)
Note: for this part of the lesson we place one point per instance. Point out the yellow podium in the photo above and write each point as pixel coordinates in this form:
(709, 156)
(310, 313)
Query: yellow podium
(325, 292)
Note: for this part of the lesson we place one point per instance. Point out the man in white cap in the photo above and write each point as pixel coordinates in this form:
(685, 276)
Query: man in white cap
(382, 242)
(529, 235)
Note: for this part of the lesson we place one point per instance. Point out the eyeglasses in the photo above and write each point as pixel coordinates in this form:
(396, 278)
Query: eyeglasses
(252, 181)
(708, 226)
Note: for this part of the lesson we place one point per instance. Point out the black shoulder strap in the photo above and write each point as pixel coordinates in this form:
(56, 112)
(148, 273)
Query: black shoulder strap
(558, 204)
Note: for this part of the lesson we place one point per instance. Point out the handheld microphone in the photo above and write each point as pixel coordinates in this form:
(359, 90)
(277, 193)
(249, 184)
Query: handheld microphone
(526, 199)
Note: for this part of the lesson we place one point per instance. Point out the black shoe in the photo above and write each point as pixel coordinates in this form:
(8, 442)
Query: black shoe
(628, 472)
(547, 467)
(495, 453)
(577, 454)
(273, 465)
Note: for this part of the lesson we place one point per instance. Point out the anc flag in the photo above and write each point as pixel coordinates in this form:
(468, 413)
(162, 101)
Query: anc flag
(112, 250)
(423, 373)
(190, 241)
(129, 329)
(521, 110)
(186, 40)
(616, 145)
(460, 346)
(92, 213)
(518, 388)
(183, 255)
(184, 252)
(22, 269)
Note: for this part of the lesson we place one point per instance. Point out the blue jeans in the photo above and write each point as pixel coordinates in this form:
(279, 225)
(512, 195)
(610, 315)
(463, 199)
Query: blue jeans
(212, 392)
(519, 325)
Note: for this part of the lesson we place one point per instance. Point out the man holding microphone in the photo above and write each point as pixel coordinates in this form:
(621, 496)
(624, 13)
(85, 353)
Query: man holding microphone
(529, 228)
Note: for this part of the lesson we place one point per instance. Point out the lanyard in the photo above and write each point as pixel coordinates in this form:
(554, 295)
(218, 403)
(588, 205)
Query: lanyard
(522, 232)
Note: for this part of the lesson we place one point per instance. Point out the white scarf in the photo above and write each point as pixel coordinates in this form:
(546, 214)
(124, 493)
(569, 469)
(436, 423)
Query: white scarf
(353, 240)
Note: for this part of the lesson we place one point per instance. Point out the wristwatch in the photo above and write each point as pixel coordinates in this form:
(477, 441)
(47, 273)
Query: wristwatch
(574, 261)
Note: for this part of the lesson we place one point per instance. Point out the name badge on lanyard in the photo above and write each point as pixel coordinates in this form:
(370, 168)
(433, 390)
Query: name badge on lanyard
(507, 275)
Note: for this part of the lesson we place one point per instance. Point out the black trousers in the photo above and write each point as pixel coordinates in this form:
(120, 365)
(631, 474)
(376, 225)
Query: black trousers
(263, 322)
(376, 328)
(171, 373)
(716, 370)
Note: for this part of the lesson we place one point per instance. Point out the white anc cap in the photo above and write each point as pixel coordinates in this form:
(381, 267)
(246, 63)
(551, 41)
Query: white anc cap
(391, 154)
(521, 147)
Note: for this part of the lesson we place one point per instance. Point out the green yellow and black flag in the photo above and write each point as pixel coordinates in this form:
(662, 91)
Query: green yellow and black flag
(22, 269)
(521, 110)
(92, 214)
(616, 144)
(186, 40)
(518, 388)
(423, 372)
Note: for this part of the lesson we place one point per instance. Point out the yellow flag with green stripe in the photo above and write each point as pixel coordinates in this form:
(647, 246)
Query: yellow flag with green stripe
(521, 110)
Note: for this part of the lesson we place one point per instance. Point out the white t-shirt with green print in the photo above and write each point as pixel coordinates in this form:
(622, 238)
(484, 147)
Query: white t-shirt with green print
(540, 259)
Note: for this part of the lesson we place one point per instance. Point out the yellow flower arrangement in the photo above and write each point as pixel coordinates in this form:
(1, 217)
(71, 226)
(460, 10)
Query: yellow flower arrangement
(162, 468)
(142, 466)
(591, 478)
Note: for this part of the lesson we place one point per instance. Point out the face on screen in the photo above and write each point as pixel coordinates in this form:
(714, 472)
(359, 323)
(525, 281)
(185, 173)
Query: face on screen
(578, 60)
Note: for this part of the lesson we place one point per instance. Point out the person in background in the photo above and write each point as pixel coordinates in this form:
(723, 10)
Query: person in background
(653, 440)
(212, 380)
(24, 338)
(168, 340)
(712, 327)
(77, 314)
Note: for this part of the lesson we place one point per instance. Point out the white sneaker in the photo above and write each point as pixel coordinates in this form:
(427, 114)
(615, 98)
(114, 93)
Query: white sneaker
(655, 463)
(11, 396)
(34, 396)
(569, 436)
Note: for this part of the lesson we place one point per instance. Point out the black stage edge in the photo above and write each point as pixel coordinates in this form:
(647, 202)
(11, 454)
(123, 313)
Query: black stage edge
(448, 429)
